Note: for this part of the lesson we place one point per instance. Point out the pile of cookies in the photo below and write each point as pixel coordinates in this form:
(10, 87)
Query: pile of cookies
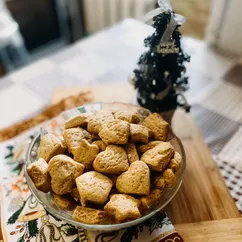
(107, 167)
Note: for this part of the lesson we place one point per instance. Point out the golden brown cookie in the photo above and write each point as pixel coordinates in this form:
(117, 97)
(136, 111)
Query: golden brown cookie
(160, 182)
(63, 171)
(38, 172)
(150, 200)
(136, 180)
(128, 116)
(115, 132)
(74, 136)
(102, 146)
(142, 113)
(63, 201)
(91, 216)
(93, 187)
(113, 160)
(131, 151)
(139, 133)
(79, 120)
(63, 143)
(158, 157)
(49, 147)
(97, 120)
(167, 179)
(75, 194)
(85, 153)
(157, 125)
(143, 148)
(123, 207)
(175, 162)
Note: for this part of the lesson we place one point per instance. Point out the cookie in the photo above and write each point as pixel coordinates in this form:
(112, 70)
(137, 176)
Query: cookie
(75, 194)
(49, 147)
(123, 207)
(150, 200)
(91, 216)
(63, 171)
(143, 148)
(64, 202)
(85, 153)
(74, 136)
(175, 162)
(136, 180)
(128, 116)
(157, 125)
(142, 113)
(115, 132)
(97, 120)
(170, 177)
(158, 157)
(80, 120)
(139, 133)
(160, 182)
(93, 187)
(38, 172)
(131, 151)
(63, 143)
(167, 179)
(113, 160)
(102, 146)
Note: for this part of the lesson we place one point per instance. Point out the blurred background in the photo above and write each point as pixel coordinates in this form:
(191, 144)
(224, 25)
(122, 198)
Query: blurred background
(31, 29)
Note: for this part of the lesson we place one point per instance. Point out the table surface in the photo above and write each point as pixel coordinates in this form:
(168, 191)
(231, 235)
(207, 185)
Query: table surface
(204, 202)
(110, 56)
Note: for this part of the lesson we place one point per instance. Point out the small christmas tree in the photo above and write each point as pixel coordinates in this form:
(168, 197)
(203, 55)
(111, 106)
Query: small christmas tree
(160, 79)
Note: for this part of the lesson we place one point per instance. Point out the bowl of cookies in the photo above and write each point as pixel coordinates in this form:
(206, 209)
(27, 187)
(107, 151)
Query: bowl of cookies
(105, 166)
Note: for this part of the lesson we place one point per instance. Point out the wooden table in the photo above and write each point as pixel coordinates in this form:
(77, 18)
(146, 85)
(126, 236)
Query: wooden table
(203, 209)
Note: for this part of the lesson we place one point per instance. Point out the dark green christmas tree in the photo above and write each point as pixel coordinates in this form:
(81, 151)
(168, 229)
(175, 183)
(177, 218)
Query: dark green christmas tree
(160, 79)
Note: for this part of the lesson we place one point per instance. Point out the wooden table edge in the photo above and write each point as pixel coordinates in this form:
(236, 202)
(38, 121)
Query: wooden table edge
(214, 230)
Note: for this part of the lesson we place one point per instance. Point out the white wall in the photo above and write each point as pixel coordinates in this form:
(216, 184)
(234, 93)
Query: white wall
(225, 26)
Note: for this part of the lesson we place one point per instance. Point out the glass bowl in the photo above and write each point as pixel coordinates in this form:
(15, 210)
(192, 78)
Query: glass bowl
(56, 126)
